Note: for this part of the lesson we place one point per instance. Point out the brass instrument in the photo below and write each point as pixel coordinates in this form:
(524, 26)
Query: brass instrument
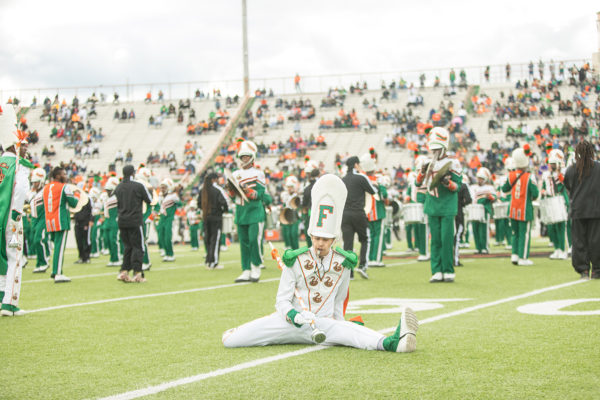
(82, 199)
(233, 185)
(437, 178)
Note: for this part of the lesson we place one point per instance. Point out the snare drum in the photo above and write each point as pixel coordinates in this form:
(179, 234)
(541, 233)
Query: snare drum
(389, 219)
(413, 213)
(475, 212)
(553, 210)
(501, 210)
(227, 223)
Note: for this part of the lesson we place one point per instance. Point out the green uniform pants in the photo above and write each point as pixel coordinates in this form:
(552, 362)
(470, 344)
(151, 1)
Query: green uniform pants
(376, 231)
(167, 235)
(290, 235)
(59, 238)
(442, 241)
(194, 236)
(481, 234)
(410, 236)
(503, 230)
(40, 244)
(250, 243)
(387, 236)
(422, 238)
(95, 248)
(146, 229)
(521, 238)
(113, 242)
(556, 233)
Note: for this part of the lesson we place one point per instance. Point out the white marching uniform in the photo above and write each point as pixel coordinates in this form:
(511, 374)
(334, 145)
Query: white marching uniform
(323, 284)
(11, 282)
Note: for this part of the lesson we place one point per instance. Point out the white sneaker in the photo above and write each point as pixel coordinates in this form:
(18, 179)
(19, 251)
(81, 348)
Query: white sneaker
(40, 269)
(7, 313)
(525, 262)
(114, 264)
(562, 255)
(437, 277)
(162, 253)
(409, 325)
(168, 258)
(262, 266)
(569, 252)
(254, 273)
(61, 278)
(224, 248)
(423, 258)
(218, 266)
(94, 255)
(449, 277)
(194, 249)
(146, 267)
(514, 259)
(244, 277)
(104, 252)
(508, 247)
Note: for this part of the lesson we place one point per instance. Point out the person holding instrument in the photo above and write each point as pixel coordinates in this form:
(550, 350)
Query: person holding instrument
(314, 288)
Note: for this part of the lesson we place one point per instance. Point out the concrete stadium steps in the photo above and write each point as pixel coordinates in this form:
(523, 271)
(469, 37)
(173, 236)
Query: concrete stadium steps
(136, 135)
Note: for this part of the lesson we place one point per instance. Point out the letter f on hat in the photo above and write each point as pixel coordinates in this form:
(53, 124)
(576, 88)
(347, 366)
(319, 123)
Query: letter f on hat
(322, 215)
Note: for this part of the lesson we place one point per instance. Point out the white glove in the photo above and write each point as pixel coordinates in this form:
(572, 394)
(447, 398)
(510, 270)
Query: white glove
(305, 317)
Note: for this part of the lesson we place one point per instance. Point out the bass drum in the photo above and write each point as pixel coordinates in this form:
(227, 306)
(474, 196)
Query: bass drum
(475, 212)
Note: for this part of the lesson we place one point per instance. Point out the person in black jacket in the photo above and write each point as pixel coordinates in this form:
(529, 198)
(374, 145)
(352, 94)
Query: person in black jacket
(354, 219)
(582, 181)
(464, 199)
(83, 223)
(213, 203)
(130, 196)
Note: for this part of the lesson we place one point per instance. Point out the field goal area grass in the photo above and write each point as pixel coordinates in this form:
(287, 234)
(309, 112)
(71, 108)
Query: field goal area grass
(500, 331)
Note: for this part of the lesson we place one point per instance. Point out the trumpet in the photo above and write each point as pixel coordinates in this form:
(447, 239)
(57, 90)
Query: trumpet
(27, 209)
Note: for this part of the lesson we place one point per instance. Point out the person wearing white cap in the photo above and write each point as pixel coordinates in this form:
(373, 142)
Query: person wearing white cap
(250, 213)
(503, 228)
(552, 185)
(289, 229)
(485, 194)
(38, 221)
(96, 214)
(14, 188)
(111, 213)
(314, 287)
(523, 189)
(167, 215)
(441, 205)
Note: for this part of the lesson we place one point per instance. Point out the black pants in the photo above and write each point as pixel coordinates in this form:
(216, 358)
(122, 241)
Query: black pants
(82, 236)
(133, 248)
(586, 245)
(356, 222)
(212, 239)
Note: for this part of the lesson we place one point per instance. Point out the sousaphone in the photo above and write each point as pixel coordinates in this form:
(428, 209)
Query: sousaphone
(82, 198)
(233, 185)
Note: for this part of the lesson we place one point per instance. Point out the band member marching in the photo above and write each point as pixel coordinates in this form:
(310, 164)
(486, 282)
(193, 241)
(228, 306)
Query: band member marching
(485, 194)
(143, 176)
(523, 190)
(14, 189)
(40, 244)
(503, 228)
(375, 214)
(442, 179)
(97, 211)
(318, 279)
(552, 185)
(418, 194)
(167, 215)
(289, 213)
(111, 213)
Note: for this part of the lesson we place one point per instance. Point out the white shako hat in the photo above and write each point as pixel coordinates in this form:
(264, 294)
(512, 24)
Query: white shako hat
(291, 181)
(9, 127)
(439, 138)
(367, 162)
(556, 156)
(509, 164)
(520, 158)
(111, 183)
(484, 173)
(38, 175)
(328, 201)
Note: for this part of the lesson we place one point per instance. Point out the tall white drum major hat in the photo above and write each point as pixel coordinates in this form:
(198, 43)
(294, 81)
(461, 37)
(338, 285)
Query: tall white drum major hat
(328, 200)
(367, 162)
(520, 158)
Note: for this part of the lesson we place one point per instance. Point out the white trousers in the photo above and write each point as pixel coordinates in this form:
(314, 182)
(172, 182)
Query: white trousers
(14, 256)
(273, 329)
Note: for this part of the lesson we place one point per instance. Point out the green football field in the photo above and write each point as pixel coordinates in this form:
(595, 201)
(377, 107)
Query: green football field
(97, 337)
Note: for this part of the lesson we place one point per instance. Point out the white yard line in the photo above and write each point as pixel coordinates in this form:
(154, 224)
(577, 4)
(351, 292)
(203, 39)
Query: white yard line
(144, 296)
(134, 394)
(116, 271)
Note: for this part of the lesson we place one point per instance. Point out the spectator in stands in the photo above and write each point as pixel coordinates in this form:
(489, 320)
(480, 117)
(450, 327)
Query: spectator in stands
(124, 115)
(132, 114)
(148, 98)
(161, 96)
(297, 83)
(119, 156)
(117, 115)
(115, 98)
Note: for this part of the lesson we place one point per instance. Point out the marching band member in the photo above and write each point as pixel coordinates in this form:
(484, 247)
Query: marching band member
(485, 195)
(411, 234)
(102, 229)
(320, 276)
(14, 188)
(312, 171)
(193, 222)
(57, 196)
(167, 214)
(40, 237)
(143, 176)
(376, 214)
(212, 203)
(552, 185)
(111, 213)
(503, 228)
(523, 189)
(96, 216)
(464, 199)
(392, 194)
(290, 230)
(441, 205)
(418, 194)
(250, 214)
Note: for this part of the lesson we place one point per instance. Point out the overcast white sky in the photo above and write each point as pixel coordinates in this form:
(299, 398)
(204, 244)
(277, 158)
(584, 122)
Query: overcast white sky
(71, 43)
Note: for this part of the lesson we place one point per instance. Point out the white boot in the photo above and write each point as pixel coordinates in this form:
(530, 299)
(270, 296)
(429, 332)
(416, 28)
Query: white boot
(437, 277)
(554, 255)
(525, 262)
(514, 259)
(423, 258)
(562, 255)
(244, 277)
(254, 273)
